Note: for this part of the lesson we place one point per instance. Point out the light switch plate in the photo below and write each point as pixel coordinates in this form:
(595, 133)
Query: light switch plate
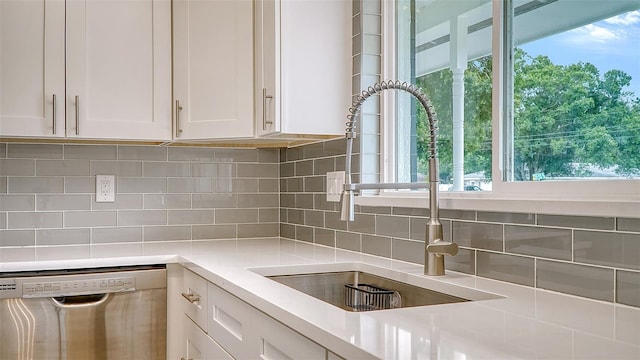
(105, 188)
(335, 185)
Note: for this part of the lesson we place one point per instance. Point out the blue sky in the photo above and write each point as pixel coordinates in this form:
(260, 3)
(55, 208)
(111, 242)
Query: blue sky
(613, 43)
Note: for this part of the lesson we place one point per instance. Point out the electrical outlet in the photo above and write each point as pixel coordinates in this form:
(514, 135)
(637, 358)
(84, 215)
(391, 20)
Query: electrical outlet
(335, 185)
(105, 188)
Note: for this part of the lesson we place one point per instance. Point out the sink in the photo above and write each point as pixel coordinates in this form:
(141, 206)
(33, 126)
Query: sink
(327, 282)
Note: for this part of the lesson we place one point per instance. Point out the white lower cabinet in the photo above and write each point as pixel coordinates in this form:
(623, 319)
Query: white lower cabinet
(278, 342)
(247, 333)
(198, 345)
(230, 323)
(218, 325)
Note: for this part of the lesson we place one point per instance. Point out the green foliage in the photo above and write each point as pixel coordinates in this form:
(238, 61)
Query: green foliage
(565, 117)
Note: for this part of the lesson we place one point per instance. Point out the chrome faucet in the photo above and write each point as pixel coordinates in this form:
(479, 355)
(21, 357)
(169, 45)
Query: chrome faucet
(435, 247)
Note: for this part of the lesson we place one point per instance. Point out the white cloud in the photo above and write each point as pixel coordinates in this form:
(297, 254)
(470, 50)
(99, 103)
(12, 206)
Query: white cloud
(630, 18)
(593, 34)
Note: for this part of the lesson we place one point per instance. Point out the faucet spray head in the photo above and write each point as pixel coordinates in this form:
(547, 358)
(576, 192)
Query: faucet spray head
(347, 211)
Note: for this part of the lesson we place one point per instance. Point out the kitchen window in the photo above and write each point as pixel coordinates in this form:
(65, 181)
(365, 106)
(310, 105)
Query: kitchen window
(536, 100)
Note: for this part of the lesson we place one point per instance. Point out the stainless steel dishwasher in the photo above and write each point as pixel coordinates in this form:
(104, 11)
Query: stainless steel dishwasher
(89, 314)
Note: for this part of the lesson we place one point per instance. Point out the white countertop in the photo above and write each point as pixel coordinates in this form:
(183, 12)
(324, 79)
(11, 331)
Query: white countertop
(525, 324)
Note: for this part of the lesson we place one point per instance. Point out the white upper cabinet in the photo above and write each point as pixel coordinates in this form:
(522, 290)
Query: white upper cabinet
(213, 69)
(303, 67)
(32, 68)
(118, 69)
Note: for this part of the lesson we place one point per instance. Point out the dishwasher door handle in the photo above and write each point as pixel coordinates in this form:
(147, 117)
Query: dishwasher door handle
(80, 301)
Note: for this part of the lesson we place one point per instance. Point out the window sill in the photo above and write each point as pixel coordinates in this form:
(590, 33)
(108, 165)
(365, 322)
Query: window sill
(507, 203)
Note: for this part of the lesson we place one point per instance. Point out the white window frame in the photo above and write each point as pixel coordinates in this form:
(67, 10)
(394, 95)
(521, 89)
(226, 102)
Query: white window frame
(610, 198)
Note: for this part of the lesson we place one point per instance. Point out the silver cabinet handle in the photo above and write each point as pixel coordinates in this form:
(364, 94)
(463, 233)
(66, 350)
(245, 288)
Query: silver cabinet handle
(264, 109)
(54, 114)
(178, 129)
(77, 115)
(186, 359)
(192, 298)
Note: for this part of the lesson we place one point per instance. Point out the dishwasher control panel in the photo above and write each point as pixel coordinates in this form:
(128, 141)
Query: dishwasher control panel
(77, 287)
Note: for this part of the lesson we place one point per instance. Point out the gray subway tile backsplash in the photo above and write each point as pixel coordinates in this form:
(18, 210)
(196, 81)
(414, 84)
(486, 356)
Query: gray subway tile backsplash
(91, 152)
(150, 153)
(464, 261)
(588, 281)
(34, 151)
(80, 185)
(236, 216)
(169, 196)
(376, 245)
(62, 236)
(628, 224)
(116, 235)
(504, 267)
(126, 185)
(538, 241)
(324, 237)
(166, 233)
(607, 248)
(478, 235)
(17, 167)
(408, 250)
(63, 202)
(122, 202)
(394, 226)
(62, 168)
(117, 168)
(348, 240)
(584, 222)
(92, 218)
(17, 202)
(35, 185)
(628, 287)
(509, 218)
(17, 237)
(167, 201)
(166, 169)
(141, 217)
(34, 220)
(186, 217)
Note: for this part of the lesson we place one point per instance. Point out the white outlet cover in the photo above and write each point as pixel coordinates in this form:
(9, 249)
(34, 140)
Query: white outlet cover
(335, 185)
(105, 188)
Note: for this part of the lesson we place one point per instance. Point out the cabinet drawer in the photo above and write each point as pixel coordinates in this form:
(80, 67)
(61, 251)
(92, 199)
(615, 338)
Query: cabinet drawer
(194, 294)
(198, 346)
(278, 342)
(230, 324)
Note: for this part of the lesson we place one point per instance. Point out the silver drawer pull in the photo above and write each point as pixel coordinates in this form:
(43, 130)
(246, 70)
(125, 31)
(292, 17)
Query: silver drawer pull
(192, 298)
(54, 114)
(77, 115)
(264, 109)
(186, 359)
(178, 109)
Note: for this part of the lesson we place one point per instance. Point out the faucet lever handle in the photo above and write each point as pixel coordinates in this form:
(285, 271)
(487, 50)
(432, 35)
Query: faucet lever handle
(443, 248)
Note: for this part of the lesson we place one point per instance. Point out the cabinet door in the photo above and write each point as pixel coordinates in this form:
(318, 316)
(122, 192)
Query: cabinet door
(267, 48)
(213, 69)
(119, 69)
(303, 67)
(230, 323)
(315, 63)
(32, 68)
(198, 346)
(278, 342)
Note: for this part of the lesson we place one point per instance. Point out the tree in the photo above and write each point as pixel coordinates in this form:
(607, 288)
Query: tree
(566, 118)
